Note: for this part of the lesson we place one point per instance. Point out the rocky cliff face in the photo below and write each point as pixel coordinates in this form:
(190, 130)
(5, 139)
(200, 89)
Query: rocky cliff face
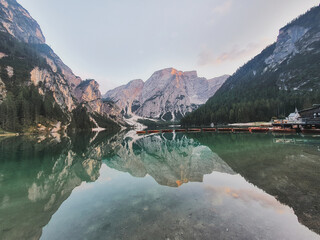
(127, 95)
(296, 41)
(88, 94)
(41, 67)
(16, 21)
(168, 94)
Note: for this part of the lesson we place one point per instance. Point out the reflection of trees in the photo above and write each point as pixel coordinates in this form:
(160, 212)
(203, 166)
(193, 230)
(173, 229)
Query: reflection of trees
(38, 175)
(170, 159)
(286, 167)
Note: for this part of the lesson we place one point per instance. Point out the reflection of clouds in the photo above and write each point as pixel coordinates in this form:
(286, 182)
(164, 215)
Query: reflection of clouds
(104, 174)
(83, 186)
(248, 196)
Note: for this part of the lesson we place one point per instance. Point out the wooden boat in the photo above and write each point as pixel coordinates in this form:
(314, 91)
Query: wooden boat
(180, 130)
(194, 130)
(141, 132)
(225, 129)
(240, 130)
(167, 130)
(283, 130)
(208, 129)
(259, 129)
(311, 130)
(153, 131)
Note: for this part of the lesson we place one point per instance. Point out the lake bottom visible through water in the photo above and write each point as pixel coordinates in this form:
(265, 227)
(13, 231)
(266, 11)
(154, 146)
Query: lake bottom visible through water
(161, 186)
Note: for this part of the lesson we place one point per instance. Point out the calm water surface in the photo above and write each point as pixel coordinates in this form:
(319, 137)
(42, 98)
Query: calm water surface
(162, 186)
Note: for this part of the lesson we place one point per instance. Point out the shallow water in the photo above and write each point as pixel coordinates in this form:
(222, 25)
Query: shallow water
(162, 186)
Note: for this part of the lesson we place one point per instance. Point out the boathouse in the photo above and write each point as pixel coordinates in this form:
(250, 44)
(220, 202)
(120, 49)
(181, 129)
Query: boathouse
(311, 115)
(306, 118)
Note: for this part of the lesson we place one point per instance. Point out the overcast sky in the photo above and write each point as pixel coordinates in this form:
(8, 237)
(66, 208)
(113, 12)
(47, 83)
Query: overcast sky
(115, 41)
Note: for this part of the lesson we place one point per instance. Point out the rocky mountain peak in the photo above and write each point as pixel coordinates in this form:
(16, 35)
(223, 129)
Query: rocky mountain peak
(135, 82)
(168, 94)
(166, 72)
(16, 21)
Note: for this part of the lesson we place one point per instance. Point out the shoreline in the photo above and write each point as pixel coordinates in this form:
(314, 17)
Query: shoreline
(253, 124)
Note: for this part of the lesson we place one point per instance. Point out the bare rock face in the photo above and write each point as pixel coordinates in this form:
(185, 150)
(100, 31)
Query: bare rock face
(57, 65)
(127, 95)
(88, 94)
(56, 84)
(16, 21)
(88, 91)
(286, 45)
(168, 94)
(299, 39)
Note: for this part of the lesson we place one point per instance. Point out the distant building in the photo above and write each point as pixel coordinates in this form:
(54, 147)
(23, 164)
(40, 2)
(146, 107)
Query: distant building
(294, 117)
(306, 118)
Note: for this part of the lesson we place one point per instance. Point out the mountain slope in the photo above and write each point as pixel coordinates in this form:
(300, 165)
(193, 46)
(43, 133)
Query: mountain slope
(37, 90)
(167, 95)
(126, 96)
(283, 76)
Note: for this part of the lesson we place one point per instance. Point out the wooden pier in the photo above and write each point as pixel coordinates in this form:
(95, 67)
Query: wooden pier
(275, 129)
(167, 130)
(240, 130)
(209, 129)
(141, 132)
(153, 131)
(194, 130)
(180, 130)
(225, 129)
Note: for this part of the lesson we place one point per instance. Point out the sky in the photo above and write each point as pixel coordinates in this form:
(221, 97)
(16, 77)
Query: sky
(115, 41)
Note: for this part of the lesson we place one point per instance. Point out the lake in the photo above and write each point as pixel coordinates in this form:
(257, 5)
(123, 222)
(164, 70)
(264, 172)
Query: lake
(161, 186)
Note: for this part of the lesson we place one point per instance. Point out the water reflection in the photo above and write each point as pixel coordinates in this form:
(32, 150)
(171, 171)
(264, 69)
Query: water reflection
(124, 186)
(287, 167)
(38, 175)
(170, 159)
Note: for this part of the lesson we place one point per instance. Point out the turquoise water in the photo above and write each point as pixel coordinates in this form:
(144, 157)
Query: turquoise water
(162, 186)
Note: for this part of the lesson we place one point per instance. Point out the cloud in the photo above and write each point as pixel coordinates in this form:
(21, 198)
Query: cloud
(207, 56)
(223, 8)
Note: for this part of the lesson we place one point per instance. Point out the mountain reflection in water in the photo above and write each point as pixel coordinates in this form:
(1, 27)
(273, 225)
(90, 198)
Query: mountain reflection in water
(170, 159)
(78, 187)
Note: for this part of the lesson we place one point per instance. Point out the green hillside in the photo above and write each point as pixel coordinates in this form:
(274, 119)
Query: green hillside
(274, 82)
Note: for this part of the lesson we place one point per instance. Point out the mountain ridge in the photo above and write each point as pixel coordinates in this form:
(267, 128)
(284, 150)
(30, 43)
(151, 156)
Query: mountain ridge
(167, 95)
